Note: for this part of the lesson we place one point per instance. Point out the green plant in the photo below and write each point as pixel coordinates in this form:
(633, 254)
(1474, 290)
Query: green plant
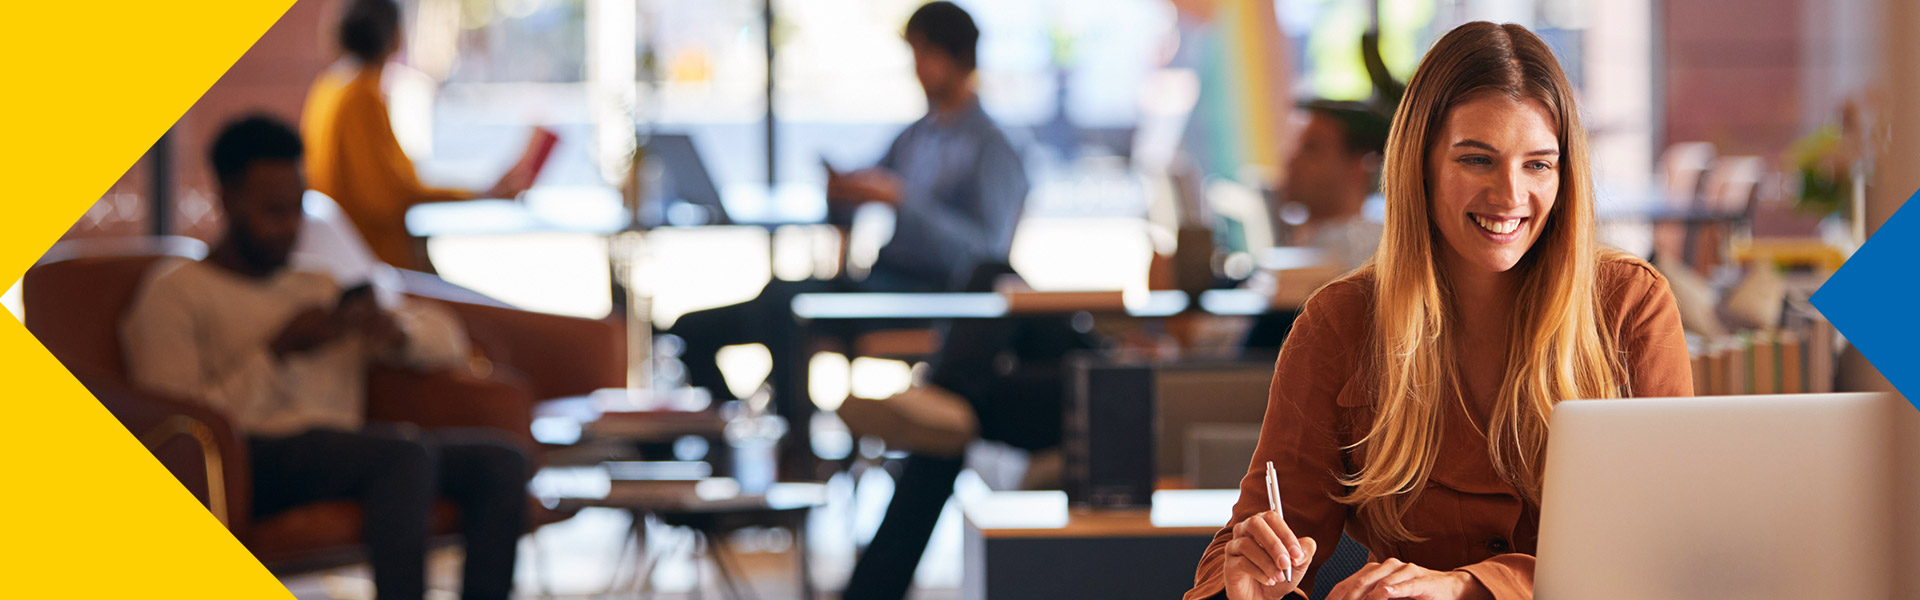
(1826, 174)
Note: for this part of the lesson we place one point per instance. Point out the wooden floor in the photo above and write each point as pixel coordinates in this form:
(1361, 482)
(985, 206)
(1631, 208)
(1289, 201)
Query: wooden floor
(581, 556)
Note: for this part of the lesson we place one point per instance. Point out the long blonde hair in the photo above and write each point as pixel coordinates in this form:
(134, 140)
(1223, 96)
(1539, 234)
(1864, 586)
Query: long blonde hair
(1557, 348)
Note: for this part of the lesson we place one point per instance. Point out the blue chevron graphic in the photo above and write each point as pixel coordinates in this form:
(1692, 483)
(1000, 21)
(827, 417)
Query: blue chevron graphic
(1874, 299)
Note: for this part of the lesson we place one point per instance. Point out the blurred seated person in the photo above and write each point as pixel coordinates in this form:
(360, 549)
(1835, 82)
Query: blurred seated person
(955, 185)
(999, 380)
(1333, 172)
(355, 158)
(283, 354)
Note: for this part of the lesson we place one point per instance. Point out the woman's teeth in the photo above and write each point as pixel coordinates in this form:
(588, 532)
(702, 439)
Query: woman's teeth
(1501, 227)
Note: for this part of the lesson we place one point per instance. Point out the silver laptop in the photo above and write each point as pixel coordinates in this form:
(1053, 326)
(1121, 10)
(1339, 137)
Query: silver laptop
(1784, 496)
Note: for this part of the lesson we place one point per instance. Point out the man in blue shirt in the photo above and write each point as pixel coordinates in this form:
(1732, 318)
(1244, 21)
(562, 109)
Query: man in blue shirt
(954, 181)
(956, 187)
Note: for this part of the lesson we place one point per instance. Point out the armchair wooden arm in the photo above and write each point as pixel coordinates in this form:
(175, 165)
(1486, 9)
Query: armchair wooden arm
(214, 467)
(197, 445)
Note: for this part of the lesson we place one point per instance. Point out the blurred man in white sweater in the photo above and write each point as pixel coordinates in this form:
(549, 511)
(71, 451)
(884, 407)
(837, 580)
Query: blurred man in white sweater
(283, 354)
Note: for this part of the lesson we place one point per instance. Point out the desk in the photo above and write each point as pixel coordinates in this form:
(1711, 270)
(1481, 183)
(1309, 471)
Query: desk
(981, 305)
(812, 309)
(1023, 545)
(600, 209)
(574, 434)
(545, 209)
(1237, 302)
(1281, 258)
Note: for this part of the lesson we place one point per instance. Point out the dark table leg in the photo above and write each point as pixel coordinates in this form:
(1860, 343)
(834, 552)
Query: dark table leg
(730, 574)
(800, 549)
(792, 401)
(644, 559)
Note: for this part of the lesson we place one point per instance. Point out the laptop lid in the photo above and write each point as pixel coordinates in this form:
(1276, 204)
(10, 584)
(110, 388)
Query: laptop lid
(1780, 496)
(687, 177)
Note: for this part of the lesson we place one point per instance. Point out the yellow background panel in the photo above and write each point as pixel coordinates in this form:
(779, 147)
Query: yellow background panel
(86, 88)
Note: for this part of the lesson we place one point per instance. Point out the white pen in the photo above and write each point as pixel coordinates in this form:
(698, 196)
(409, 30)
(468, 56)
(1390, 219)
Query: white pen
(1273, 502)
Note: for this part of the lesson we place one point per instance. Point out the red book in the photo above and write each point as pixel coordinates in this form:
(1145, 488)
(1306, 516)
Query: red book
(539, 149)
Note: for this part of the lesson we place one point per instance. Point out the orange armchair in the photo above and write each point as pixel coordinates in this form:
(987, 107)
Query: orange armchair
(77, 295)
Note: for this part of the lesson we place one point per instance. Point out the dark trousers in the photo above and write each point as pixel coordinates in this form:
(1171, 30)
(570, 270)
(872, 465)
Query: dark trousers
(768, 320)
(1021, 418)
(1011, 372)
(395, 474)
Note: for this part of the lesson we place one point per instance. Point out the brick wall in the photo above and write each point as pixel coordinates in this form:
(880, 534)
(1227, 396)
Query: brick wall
(272, 77)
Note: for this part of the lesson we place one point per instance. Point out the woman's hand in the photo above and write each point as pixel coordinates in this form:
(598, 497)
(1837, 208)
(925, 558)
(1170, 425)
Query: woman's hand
(1264, 559)
(1394, 579)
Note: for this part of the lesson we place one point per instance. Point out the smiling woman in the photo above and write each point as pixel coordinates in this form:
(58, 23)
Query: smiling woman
(1409, 405)
(1496, 186)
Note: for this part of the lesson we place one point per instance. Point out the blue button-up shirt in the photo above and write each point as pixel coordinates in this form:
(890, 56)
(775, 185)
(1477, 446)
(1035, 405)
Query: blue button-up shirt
(963, 188)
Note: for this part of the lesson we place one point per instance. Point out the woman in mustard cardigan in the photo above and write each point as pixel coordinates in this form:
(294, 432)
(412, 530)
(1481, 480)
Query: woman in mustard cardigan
(352, 153)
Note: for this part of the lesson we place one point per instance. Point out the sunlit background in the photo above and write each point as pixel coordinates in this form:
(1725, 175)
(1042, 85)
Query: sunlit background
(1119, 108)
(1109, 101)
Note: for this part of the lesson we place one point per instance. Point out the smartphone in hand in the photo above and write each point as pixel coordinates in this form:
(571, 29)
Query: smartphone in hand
(355, 293)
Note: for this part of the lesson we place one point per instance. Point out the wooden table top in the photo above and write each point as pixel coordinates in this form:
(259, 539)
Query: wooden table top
(968, 305)
(1045, 514)
(576, 487)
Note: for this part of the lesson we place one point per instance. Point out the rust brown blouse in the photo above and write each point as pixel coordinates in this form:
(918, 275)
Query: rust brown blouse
(1472, 519)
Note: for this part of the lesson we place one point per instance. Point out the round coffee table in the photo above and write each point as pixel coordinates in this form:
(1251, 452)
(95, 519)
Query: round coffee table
(711, 513)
